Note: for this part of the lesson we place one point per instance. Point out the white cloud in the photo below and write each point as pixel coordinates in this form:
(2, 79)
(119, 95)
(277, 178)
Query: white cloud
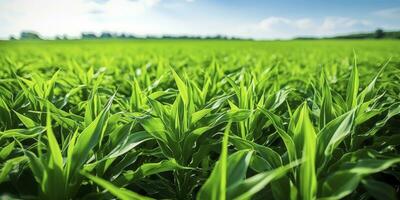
(50, 17)
(124, 8)
(271, 23)
(42, 15)
(390, 13)
(341, 23)
(304, 23)
(281, 27)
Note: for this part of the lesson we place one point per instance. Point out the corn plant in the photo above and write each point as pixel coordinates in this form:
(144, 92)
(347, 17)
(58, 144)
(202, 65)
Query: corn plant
(199, 120)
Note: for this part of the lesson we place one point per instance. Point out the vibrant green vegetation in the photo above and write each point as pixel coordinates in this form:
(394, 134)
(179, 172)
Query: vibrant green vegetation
(206, 120)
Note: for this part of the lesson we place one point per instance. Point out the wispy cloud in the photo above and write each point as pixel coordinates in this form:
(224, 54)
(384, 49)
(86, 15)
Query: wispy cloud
(124, 8)
(330, 24)
(50, 17)
(390, 13)
(100, 1)
(282, 27)
(271, 23)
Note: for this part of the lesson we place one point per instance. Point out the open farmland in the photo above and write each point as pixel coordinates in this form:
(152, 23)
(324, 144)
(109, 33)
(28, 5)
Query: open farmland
(159, 119)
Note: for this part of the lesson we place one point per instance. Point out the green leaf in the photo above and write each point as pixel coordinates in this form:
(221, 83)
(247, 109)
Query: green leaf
(339, 185)
(369, 166)
(332, 135)
(155, 127)
(183, 90)
(327, 112)
(29, 123)
(5, 151)
(369, 92)
(87, 140)
(36, 166)
(304, 135)
(215, 186)
(55, 151)
(22, 134)
(287, 139)
(133, 140)
(8, 166)
(346, 180)
(379, 190)
(352, 87)
(121, 193)
(250, 186)
(270, 156)
(196, 116)
(232, 115)
(148, 169)
(237, 165)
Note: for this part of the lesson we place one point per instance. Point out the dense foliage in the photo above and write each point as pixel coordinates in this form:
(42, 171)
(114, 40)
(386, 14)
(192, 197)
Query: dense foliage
(206, 120)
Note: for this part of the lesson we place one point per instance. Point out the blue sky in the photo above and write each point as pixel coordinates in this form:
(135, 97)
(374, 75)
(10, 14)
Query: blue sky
(242, 18)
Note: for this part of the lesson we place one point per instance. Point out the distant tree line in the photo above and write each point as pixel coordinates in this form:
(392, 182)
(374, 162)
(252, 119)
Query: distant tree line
(107, 35)
(378, 34)
(30, 35)
(27, 35)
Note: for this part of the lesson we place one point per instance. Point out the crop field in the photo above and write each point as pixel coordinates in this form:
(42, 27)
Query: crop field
(208, 120)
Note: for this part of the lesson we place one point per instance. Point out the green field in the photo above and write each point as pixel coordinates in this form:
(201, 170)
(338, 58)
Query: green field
(181, 119)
